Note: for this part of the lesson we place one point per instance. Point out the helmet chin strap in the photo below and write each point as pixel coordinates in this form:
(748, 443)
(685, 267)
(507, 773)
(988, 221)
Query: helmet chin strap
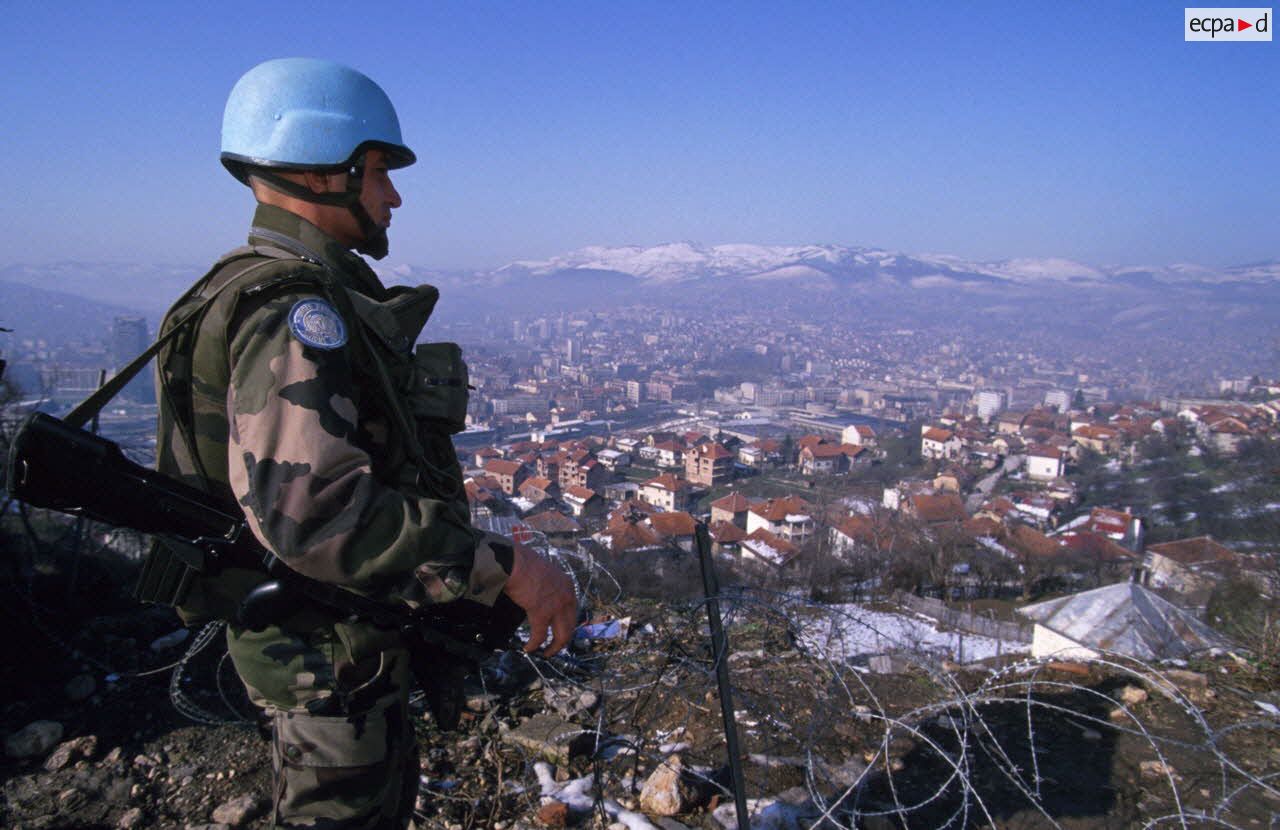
(374, 242)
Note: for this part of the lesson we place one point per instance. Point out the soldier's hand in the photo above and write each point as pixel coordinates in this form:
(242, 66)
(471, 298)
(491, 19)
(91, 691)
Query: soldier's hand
(546, 595)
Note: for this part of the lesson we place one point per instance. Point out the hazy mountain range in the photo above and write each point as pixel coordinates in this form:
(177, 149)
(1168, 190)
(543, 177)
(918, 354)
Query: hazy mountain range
(66, 295)
(839, 265)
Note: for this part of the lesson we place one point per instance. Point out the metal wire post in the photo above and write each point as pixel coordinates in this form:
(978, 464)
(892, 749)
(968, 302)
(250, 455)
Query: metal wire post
(720, 653)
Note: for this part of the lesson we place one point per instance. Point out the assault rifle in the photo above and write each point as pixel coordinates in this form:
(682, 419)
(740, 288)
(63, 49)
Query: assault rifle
(58, 466)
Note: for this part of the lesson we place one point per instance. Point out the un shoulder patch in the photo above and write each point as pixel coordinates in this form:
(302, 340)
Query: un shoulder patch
(316, 324)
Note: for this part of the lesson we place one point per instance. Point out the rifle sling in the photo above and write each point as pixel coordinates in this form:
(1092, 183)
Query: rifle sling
(92, 405)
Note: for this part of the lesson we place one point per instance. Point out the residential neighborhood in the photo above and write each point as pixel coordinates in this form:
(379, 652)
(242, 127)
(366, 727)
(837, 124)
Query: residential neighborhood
(958, 507)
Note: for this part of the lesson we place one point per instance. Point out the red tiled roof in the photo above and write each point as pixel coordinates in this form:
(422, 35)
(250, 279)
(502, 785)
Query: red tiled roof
(553, 521)
(676, 523)
(631, 511)
(503, 468)
(488, 482)
(983, 526)
(1096, 545)
(712, 449)
(476, 493)
(1109, 521)
(775, 510)
(726, 532)
(1229, 426)
(1097, 432)
(823, 450)
(535, 483)
(629, 535)
(939, 507)
(782, 546)
(668, 481)
(580, 493)
(733, 503)
(940, 435)
(1031, 542)
(857, 528)
(1000, 504)
(1194, 551)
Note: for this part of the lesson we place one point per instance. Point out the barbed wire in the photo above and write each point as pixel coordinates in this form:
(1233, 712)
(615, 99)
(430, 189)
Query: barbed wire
(827, 740)
(830, 743)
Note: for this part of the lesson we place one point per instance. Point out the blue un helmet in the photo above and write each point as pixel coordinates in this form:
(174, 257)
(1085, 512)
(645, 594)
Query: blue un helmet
(309, 114)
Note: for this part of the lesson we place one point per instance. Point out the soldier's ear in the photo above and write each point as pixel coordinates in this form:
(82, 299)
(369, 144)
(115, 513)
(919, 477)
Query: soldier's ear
(318, 182)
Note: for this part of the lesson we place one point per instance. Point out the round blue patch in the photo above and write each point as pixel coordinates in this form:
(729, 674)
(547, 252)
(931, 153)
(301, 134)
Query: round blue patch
(316, 324)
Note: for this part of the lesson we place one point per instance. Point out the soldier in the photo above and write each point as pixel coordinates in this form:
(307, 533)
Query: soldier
(297, 394)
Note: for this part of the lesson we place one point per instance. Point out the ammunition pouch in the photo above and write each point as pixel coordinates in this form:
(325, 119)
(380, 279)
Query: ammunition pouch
(439, 396)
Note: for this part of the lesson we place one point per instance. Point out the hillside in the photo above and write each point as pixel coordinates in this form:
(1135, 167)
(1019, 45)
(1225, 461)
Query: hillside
(586, 739)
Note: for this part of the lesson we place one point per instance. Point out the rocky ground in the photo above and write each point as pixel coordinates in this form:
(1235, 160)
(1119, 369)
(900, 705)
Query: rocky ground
(627, 731)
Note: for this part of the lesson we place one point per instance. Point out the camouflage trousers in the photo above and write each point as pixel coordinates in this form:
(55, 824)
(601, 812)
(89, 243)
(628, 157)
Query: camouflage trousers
(343, 748)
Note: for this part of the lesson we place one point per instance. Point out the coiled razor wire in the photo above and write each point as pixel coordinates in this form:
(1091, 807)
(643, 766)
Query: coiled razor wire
(830, 745)
(187, 707)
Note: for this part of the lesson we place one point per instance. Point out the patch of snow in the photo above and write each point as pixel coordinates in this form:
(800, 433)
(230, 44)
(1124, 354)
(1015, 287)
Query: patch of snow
(990, 543)
(579, 797)
(852, 630)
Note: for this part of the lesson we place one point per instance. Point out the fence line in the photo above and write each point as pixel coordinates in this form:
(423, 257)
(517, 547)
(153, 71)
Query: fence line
(965, 621)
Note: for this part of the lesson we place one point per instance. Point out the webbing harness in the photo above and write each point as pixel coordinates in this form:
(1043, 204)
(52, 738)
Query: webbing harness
(288, 249)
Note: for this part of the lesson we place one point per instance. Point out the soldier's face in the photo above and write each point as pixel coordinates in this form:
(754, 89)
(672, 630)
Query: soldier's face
(377, 193)
(377, 196)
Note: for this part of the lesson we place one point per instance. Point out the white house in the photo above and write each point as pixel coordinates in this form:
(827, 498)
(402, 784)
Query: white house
(860, 435)
(1045, 463)
(939, 443)
(613, 459)
(667, 492)
(788, 518)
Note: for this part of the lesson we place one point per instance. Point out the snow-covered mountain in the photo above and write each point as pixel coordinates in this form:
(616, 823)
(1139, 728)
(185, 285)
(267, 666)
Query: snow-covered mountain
(679, 268)
(836, 264)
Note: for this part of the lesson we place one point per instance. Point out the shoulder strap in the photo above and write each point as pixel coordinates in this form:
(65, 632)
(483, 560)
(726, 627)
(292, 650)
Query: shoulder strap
(93, 404)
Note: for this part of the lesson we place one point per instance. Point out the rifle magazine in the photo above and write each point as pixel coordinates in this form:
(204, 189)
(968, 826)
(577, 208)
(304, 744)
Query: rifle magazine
(165, 579)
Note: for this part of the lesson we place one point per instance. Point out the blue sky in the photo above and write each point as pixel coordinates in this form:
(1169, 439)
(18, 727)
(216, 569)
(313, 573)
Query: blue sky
(986, 130)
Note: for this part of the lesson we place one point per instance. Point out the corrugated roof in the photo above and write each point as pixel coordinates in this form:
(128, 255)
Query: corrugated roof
(1127, 619)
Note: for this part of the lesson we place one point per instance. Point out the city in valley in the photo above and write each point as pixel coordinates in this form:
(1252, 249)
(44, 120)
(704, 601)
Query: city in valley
(983, 431)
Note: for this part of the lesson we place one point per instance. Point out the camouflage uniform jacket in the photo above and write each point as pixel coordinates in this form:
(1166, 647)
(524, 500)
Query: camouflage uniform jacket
(301, 437)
